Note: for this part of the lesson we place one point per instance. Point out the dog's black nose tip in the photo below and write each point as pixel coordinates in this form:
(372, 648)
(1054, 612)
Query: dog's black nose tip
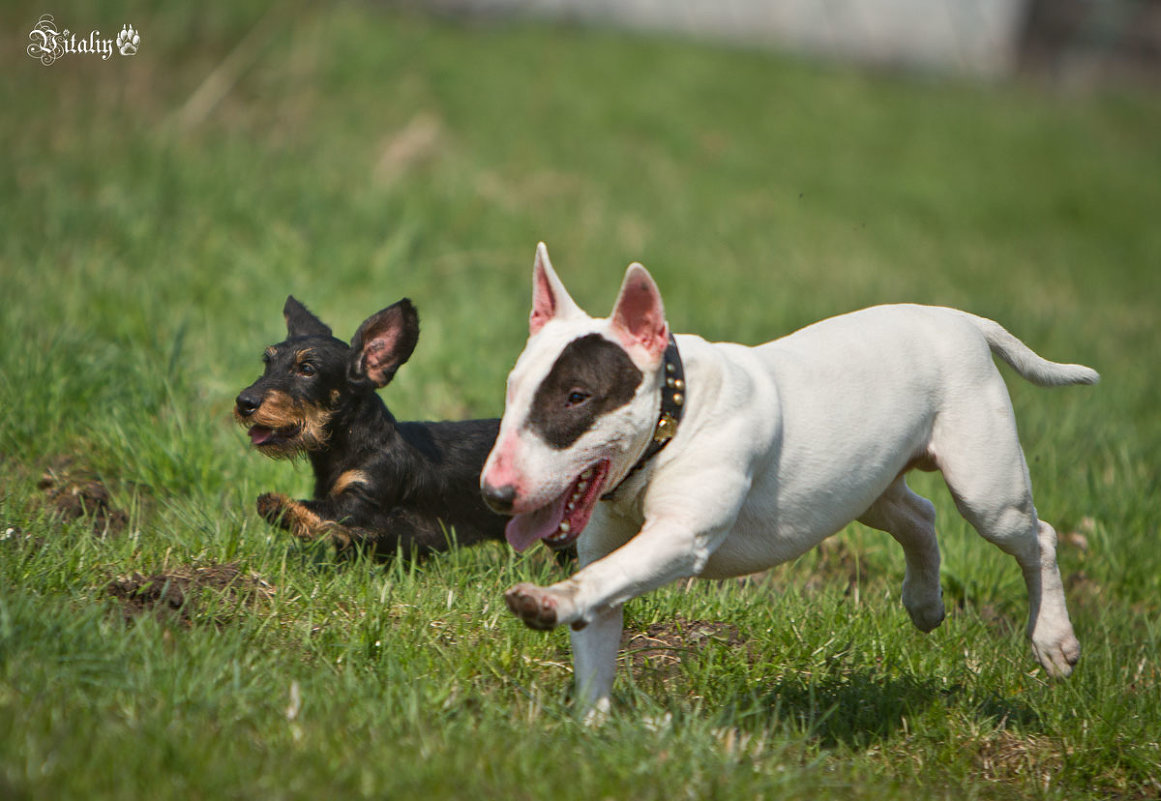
(500, 499)
(246, 404)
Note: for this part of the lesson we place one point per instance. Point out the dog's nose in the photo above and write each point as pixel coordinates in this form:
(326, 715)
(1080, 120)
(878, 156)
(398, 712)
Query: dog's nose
(247, 404)
(500, 499)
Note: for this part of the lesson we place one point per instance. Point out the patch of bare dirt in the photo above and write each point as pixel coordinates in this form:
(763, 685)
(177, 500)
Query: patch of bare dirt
(176, 594)
(837, 562)
(998, 619)
(663, 647)
(1006, 757)
(74, 493)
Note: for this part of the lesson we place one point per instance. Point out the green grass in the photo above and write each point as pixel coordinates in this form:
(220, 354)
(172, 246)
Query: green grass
(362, 156)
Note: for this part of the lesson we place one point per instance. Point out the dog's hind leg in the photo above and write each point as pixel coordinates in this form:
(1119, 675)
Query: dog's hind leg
(910, 519)
(978, 451)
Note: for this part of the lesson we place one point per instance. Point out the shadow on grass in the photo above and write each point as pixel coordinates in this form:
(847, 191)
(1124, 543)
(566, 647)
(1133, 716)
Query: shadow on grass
(864, 708)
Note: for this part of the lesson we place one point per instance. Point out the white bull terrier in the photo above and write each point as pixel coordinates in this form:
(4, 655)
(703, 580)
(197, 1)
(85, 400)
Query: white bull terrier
(756, 454)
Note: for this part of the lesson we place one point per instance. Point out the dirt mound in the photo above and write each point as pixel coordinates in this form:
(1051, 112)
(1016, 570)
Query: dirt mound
(75, 493)
(665, 646)
(176, 594)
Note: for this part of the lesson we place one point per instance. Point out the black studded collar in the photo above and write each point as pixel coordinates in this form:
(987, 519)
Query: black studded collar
(672, 408)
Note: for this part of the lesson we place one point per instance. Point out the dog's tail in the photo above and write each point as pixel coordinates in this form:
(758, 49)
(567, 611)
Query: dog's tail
(1029, 364)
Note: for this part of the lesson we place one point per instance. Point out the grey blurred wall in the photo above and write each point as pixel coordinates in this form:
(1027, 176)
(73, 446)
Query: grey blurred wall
(979, 37)
(1067, 41)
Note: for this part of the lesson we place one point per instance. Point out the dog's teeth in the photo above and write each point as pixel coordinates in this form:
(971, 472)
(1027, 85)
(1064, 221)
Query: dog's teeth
(581, 487)
(586, 475)
(564, 527)
(572, 503)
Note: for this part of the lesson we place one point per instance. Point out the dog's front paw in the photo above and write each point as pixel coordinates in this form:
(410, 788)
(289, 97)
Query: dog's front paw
(1058, 656)
(537, 606)
(272, 507)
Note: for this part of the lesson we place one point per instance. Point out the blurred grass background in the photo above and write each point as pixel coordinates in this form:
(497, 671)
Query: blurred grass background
(356, 153)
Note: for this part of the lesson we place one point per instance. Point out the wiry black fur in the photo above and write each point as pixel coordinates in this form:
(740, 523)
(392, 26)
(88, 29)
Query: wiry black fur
(417, 482)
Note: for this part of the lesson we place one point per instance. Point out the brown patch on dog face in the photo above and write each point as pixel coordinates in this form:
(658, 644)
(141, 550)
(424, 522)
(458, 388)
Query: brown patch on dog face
(283, 426)
(348, 479)
(591, 377)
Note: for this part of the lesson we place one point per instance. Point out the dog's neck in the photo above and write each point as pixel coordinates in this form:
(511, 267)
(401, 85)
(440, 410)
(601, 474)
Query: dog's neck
(668, 418)
(361, 427)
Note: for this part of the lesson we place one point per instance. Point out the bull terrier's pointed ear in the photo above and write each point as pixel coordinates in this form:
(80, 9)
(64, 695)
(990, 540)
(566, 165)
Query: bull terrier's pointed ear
(638, 318)
(383, 343)
(550, 299)
(300, 322)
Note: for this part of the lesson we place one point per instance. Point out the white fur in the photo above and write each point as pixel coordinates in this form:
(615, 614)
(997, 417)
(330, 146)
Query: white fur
(783, 445)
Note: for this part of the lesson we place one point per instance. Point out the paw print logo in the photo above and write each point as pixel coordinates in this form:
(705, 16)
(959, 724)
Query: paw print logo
(127, 40)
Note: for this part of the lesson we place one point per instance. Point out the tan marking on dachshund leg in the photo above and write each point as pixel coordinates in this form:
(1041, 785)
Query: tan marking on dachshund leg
(348, 479)
(307, 525)
(293, 516)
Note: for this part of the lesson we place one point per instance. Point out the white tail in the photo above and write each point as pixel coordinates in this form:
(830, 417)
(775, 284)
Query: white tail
(1027, 362)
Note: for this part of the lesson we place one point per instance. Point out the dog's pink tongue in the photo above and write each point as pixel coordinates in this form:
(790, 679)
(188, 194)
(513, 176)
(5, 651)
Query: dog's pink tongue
(524, 530)
(259, 434)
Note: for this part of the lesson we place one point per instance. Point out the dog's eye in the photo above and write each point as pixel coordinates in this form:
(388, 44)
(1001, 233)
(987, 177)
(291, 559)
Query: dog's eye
(307, 369)
(576, 397)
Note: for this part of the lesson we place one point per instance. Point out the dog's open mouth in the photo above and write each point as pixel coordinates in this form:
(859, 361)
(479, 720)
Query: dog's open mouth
(559, 523)
(261, 436)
